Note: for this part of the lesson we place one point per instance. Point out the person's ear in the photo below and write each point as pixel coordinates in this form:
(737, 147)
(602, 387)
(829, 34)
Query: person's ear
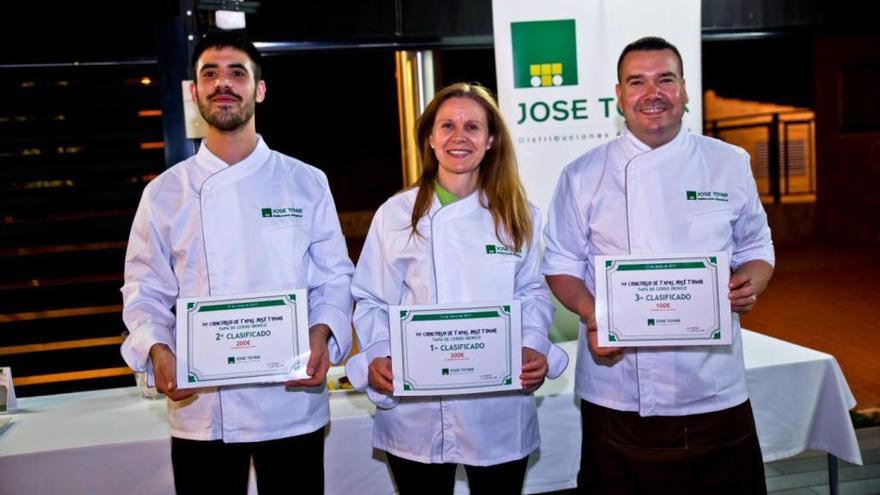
(261, 91)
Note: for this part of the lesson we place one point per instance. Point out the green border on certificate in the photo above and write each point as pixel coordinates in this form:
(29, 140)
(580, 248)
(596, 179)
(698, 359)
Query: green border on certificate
(671, 299)
(255, 338)
(456, 349)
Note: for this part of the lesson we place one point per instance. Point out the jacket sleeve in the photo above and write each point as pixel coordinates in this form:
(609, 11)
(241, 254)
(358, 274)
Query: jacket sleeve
(751, 233)
(377, 284)
(329, 277)
(566, 240)
(537, 308)
(150, 290)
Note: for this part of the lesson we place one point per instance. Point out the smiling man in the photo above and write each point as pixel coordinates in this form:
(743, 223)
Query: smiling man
(201, 229)
(660, 419)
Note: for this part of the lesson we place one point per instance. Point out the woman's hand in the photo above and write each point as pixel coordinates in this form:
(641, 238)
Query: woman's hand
(379, 375)
(534, 369)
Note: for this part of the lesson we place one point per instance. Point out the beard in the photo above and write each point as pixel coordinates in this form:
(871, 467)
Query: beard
(227, 118)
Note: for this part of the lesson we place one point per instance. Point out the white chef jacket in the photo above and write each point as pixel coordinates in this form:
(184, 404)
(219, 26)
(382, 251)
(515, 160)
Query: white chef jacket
(200, 231)
(624, 197)
(448, 263)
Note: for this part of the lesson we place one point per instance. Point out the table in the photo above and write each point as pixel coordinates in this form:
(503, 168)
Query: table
(113, 441)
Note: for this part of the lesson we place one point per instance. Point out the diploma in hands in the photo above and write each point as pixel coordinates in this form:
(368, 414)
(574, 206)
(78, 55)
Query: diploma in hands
(663, 300)
(456, 349)
(252, 338)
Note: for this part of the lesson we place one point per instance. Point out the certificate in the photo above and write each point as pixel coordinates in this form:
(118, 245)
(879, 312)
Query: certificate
(663, 300)
(456, 349)
(251, 338)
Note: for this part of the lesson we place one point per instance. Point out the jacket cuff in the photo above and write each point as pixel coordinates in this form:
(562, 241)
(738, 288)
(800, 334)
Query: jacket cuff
(557, 361)
(739, 259)
(573, 268)
(357, 370)
(379, 349)
(136, 347)
(339, 343)
(381, 400)
(537, 342)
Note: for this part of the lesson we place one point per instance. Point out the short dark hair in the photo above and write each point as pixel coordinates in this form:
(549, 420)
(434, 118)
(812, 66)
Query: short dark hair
(228, 39)
(650, 44)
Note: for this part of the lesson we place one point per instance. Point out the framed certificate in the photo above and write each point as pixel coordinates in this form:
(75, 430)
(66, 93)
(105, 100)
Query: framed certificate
(456, 349)
(252, 338)
(663, 300)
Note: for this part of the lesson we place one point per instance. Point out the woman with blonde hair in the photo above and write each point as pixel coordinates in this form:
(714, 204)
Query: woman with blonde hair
(464, 233)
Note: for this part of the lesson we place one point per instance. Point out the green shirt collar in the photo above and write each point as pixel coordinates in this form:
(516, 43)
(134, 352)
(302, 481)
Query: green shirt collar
(443, 195)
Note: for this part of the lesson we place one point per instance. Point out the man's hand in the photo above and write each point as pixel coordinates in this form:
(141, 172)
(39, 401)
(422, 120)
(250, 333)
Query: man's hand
(593, 339)
(319, 360)
(380, 376)
(534, 369)
(165, 373)
(747, 283)
(573, 294)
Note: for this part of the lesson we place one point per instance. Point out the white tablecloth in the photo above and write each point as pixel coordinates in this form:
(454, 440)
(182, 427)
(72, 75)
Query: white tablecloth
(112, 441)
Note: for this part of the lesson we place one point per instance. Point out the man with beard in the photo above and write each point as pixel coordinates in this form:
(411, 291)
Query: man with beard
(660, 419)
(201, 229)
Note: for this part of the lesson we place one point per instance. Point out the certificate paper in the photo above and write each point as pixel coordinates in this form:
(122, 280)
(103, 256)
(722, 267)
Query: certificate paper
(252, 338)
(456, 349)
(663, 300)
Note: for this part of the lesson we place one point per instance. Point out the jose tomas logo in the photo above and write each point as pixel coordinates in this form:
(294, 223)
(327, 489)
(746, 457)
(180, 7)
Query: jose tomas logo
(707, 196)
(544, 53)
(494, 249)
(281, 212)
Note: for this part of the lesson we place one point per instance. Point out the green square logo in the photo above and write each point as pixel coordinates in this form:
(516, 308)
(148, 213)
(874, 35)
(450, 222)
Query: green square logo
(267, 212)
(230, 360)
(544, 53)
(650, 322)
(490, 249)
(445, 371)
(692, 195)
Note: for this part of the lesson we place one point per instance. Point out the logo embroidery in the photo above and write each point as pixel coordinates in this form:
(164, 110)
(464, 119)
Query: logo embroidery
(281, 212)
(493, 249)
(706, 196)
(544, 53)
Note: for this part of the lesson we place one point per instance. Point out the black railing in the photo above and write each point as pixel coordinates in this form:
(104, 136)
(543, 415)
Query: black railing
(783, 156)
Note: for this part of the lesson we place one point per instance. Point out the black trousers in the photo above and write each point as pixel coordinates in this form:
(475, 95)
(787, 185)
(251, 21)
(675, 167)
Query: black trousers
(417, 478)
(217, 467)
(624, 453)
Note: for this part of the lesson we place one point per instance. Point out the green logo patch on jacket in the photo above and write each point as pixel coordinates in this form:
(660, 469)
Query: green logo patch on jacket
(493, 249)
(281, 212)
(706, 196)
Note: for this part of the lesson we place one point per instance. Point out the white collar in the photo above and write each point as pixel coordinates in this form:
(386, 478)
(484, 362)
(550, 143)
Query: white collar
(215, 164)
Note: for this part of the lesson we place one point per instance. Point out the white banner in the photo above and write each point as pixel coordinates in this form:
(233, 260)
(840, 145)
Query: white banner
(556, 63)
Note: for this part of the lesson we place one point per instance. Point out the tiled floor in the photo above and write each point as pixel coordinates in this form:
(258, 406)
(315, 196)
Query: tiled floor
(807, 474)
